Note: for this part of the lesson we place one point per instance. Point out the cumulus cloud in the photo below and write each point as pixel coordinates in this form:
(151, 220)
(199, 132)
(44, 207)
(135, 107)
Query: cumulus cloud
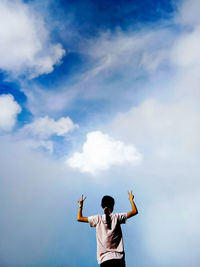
(9, 109)
(45, 127)
(25, 46)
(100, 152)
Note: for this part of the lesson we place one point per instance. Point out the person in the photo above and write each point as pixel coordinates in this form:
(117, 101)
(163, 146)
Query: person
(110, 249)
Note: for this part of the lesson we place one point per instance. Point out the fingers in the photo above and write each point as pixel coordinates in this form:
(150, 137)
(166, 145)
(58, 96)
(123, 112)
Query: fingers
(83, 198)
(130, 195)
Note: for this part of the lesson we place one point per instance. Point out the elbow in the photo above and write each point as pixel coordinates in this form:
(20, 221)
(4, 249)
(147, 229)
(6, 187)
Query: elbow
(134, 212)
(78, 219)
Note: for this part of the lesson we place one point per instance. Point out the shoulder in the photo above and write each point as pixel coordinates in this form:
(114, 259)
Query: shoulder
(120, 217)
(94, 220)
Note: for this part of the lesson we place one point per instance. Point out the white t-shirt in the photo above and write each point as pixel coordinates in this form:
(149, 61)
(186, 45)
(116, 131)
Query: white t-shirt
(109, 241)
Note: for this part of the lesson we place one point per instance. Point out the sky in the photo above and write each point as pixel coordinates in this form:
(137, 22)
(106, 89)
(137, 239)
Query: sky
(99, 97)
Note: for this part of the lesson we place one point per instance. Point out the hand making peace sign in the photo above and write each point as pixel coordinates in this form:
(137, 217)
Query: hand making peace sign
(80, 202)
(130, 195)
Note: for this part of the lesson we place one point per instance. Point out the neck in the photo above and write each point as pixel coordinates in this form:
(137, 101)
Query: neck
(109, 211)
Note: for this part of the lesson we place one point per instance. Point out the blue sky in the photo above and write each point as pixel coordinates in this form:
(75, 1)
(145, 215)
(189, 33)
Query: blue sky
(98, 97)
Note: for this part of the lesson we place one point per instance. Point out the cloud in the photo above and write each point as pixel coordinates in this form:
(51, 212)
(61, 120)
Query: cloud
(185, 52)
(36, 144)
(9, 109)
(167, 134)
(175, 227)
(130, 52)
(163, 123)
(117, 61)
(38, 133)
(40, 101)
(168, 128)
(165, 127)
(188, 13)
(25, 46)
(45, 127)
(100, 152)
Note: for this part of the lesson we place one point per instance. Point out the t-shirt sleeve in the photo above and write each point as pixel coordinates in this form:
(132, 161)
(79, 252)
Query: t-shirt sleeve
(122, 217)
(93, 220)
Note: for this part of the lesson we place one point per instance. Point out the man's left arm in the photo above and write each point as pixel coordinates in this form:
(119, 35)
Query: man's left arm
(80, 217)
(134, 210)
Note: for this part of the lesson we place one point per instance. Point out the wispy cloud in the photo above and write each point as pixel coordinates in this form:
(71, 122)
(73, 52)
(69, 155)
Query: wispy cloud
(118, 61)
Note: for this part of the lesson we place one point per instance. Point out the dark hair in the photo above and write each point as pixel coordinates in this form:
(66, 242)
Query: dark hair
(107, 202)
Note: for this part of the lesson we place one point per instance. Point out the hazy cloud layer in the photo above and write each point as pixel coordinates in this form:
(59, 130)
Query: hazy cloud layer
(36, 195)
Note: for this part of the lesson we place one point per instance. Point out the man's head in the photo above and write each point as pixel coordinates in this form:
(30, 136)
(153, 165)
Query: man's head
(107, 202)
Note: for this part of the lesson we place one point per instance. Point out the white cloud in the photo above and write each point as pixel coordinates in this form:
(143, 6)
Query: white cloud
(38, 134)
(9, 109)
(44, 127)
(25, 47)
(100, 152)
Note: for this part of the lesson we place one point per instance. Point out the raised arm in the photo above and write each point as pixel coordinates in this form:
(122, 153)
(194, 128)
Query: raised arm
(80, 218)
(134, 210)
